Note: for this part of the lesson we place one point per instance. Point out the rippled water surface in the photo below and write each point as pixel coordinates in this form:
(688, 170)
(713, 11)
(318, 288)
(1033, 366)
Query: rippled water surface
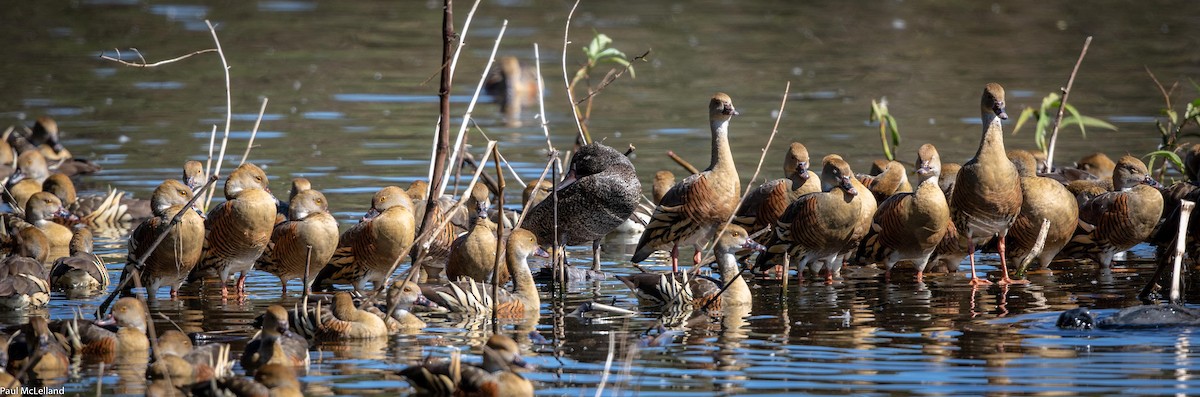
(352, 94)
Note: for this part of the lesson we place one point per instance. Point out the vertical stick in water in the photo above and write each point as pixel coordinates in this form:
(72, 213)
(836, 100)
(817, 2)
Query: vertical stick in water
(1185, 212)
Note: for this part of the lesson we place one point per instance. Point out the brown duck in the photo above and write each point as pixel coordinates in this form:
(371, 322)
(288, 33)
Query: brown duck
(367, 250)
(659, 288)
(179, 251)
(475, 298)
(82, 273)
(1042, 198)
(239, 229)
(691, 212)
(909, 226)
(765, 203)
(987, 191)
(288, 255)
(1116, 221)
(816, 227)
(276, 344)
(497, 375)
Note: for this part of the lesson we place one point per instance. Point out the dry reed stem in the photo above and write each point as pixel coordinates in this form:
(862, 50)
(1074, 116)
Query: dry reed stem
(607, 364)
(1038, 245)
(1062, 104)
(537, 63)
(566, 78)
(527, 204)
(470, 108)
(499, 241)
(228, 111)
(254, 132)
(143, 64)
(682, 163)
(1185, 213)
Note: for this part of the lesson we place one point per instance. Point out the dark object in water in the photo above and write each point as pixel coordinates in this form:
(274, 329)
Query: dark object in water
(1137, 317)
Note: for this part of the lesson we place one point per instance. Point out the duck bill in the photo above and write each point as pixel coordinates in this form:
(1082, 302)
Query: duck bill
(1150, 181)
(66, 215)
(371, 214)
(541, 253)
(848, 186)
(753, 246)
(16, 176)
(106, 321)
(567, 180)
(924, 169)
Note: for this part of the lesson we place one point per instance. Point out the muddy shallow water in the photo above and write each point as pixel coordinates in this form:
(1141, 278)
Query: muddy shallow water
(351, 109)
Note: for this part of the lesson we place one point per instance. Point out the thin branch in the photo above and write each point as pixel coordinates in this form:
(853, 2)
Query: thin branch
(537, 59)
(228, 111)
(143, 63)
(1062, 104)
(470, 108)
(254, 132)
(682, 163)
(566, 79)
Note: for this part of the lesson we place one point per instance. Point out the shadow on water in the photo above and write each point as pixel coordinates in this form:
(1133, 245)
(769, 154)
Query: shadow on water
(351, 110)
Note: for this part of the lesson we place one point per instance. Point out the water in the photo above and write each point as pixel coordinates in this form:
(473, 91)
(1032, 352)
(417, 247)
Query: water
(351, 109)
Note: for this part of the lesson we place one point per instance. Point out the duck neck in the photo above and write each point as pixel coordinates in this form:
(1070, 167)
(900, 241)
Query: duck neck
(722, 157)
(992, 142)
(737, 291)
(518, 269)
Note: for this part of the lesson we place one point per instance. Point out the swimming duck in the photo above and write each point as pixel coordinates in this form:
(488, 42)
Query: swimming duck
(31, 172)
(23, 282)
(497, 375)
(475, 297)
(129, 316)
(40, 212)
(82, 273)
(276, 344)
(691, 212)
(654, 287)
(346, 321)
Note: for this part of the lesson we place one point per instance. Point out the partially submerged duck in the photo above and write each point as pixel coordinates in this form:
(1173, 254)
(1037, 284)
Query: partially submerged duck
(1144, 316)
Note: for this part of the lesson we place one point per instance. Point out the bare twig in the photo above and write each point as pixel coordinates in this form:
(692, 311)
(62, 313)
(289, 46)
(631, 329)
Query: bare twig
(566, 79)
(254, 132)
(228, 111)
(499, 242)
(537, 59)
(1038, 245)
(143, 63)
(1062, 104)
(682, 163)
(607, 364)
(1185, 212)
(470, 108)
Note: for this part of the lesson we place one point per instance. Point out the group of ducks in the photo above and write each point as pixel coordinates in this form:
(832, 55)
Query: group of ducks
(997, 200)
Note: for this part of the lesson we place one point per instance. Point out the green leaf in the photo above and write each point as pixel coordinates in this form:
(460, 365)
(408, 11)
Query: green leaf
(1075, 115)
(1169, 155)
(1090, 122)
(1025, 115)
(895, 129)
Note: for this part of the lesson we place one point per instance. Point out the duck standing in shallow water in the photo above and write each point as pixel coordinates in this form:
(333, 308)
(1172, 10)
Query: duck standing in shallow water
(288, 256)
(179, 251)
(600, 191)
(692, 211)
(987, 191)
(367, 250)
(239, 229)
(1116, 221)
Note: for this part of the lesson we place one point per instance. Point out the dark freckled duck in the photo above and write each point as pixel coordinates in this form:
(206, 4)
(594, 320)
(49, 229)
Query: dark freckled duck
(239, 229)
(908, 226)
(179, 251)
(692, 211)
(276, 344)
(659, 288)
(987, 191)
(599, 193)
(474, 297)
(1116, 221)
(765, 203)
(310, 225)
(496, 376)
(816, 227)
(367, 250)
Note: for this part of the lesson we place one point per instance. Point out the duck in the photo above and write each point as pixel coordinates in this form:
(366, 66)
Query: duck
(663, 180)
(824, 222)
(472, 297)
(276, 344)
(600, 192)
(765, 203)
(37, 343)
(193, 175)
(238, 230)
(908, 227)
(271, 380)
(1041, 198)
(431, 257)
(1097, 164)
(418, 192)
(891, 179)
(949, 176)
(866, 214)
(396, 314)
(658, 289)
(496, 376)
(282, 207)
(473, 255)
(44, 137)
(96, 339)
(40, 212)
(171, 262)
(31, 172)
(109, 210)
(929, 165)
(288, 255)
(173, 346)
(346, 321)
(692, 210)
(82, 273)
(1116, 221)
(535, 192)
(367, 250)
(23, 284)
(511, 86)
(986, 197)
